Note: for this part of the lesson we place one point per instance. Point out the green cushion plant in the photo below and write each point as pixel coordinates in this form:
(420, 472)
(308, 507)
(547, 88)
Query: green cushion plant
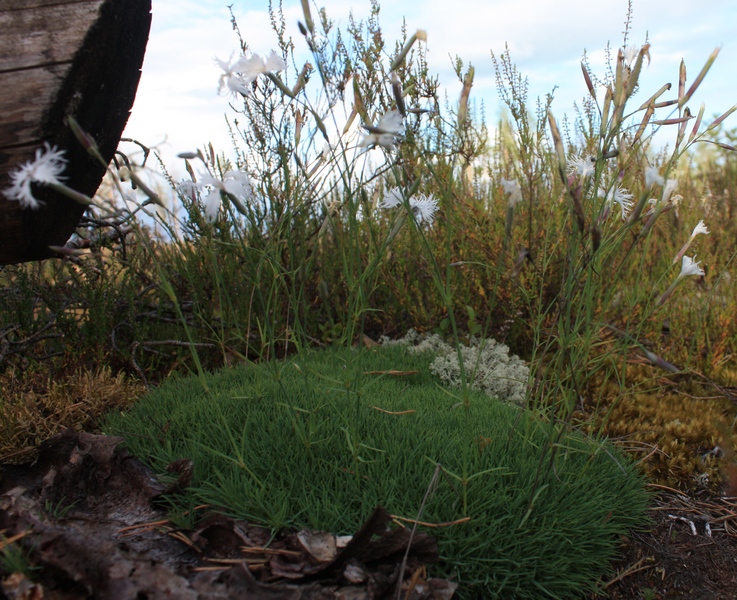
(312, 442)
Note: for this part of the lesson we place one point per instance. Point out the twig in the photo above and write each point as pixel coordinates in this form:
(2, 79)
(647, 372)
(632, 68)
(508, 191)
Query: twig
(147, 525)
(269, 551)
(7, 541)
(178, 535)
(430, 489)
(426, 524)
(630, 570)
(9, 348)
(644, 458)
(669, 489)
(390, 412)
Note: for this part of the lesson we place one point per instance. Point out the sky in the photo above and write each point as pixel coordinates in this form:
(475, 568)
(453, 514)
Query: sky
(177, 107)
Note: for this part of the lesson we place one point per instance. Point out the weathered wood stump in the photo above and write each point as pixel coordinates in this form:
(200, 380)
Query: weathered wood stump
(58, 58)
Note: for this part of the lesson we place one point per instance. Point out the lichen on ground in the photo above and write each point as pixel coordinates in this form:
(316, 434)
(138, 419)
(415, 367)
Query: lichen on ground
(487, 363)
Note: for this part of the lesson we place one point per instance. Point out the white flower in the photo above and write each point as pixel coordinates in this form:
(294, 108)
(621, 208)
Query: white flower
(652, 176)
(700, 228)
(391, 122)
(238, 75)
(187, 188)
(513, 190)
(255, 66)
(392, 198)
(274, 63)
(676, 202)
(668, 189)
(690, 267)
(630, 54)
(231, 81)
(233, 182)
(621, 196)
(583, 166)
(385, 133)
(46, 169)
(236, 183)
(212, 205)
(385, 140)
(424, 208)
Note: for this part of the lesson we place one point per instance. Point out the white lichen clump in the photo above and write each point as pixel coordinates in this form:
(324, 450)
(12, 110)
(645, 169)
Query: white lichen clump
(494, 370)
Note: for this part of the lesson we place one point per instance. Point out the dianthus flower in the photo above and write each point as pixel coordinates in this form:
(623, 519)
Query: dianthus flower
(620, 196)
(689, 267)
(513, 191)
(423, 207)
(385, 133)
(235, 183)
(238, 75)
(581, 165)
(231, 80)
(700, 228)
(45, 169)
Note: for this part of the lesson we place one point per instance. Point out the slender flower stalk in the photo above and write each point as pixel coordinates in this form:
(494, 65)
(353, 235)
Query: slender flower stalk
(683, 99)
(660, 205)
(421, 35)
(398, 93)
(689, 267)
(65, 190)
(308, 17)
(465, 93)
(660, 362)
(514, 196)
(559, 148)
(700, 228)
